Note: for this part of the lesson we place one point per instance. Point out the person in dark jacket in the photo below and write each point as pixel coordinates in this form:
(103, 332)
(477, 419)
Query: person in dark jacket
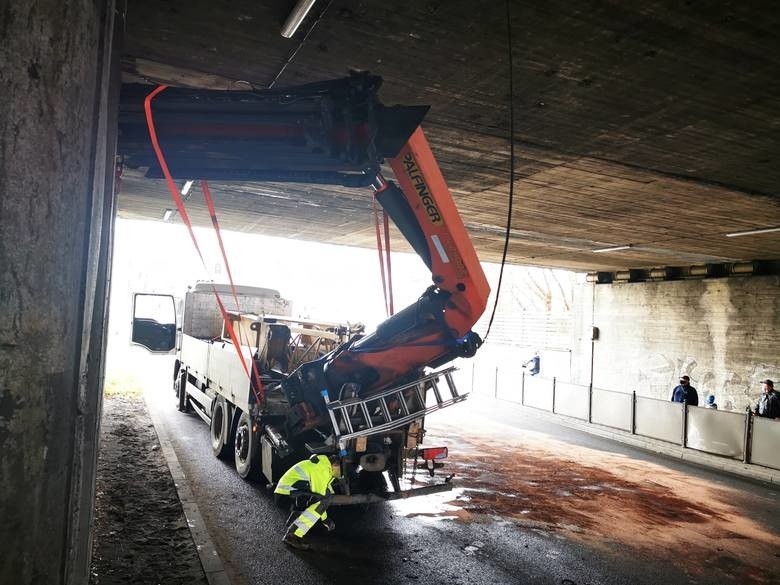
(535, 363)
(686, 393)
(768, 406)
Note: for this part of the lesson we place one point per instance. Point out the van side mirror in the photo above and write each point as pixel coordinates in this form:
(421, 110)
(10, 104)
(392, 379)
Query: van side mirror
(154, 322)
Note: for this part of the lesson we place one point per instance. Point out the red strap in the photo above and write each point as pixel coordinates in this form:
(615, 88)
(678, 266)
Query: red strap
(174, 191)
(381, 258)
(213, 214)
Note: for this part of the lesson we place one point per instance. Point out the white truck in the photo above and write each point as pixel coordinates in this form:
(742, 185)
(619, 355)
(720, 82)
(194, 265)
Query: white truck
(266, 428)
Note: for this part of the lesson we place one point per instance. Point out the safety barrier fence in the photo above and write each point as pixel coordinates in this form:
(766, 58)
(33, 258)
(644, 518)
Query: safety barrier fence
(740, 436)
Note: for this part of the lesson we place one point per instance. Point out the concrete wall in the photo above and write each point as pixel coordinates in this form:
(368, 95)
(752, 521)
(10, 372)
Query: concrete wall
(56, 180)
(724, 333)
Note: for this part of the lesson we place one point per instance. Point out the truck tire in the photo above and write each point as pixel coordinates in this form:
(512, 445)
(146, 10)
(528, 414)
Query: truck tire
(246, 452)
(220, 428)
(181, 392)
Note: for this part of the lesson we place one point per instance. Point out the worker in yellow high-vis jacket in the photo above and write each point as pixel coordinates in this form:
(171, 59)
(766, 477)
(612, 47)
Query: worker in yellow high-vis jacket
(314, 475)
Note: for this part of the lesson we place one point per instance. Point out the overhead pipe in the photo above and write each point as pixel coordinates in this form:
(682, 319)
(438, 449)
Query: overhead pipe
(743, 268)
(659, 274)
(719, 270)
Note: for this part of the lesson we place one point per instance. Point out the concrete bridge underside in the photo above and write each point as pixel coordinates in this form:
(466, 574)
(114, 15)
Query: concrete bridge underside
(654, 126)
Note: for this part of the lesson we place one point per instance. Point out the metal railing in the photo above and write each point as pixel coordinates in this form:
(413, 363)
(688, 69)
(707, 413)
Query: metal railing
(739, 436)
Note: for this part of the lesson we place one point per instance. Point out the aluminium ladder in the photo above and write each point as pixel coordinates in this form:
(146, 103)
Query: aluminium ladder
(391, 408)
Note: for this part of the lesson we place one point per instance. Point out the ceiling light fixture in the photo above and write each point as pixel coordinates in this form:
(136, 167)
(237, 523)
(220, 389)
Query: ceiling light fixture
(187, 187)
(613, 249)
(296, 17)
(167, 214)
(753, 232)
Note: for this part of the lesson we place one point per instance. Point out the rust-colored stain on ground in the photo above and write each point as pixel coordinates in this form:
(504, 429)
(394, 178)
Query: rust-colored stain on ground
(605, 499)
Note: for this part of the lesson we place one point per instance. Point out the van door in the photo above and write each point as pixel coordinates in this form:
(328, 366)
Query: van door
(154, 322)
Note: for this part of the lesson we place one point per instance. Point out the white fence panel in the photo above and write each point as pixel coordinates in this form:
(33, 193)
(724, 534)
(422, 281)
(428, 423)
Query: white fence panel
(484, 379)
(711, 431)
(716, 431)
(509, 383)
(766, 439)
(612, 409)
(538, 392)
(659, 419)
(571, 400)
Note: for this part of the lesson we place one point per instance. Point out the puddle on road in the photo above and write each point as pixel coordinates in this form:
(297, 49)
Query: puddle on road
(444, 506)
(598, 498)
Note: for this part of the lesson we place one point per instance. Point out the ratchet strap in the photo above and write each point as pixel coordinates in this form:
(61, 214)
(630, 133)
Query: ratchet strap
(176, 196)
(387, 277)
(213, 214)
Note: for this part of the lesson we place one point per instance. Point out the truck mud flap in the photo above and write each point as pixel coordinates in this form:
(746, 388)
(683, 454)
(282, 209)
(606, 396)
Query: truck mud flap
(342, 500)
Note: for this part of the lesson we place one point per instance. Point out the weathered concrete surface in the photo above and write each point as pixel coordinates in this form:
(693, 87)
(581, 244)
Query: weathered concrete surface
(55, 219)
(632, 118)
(724, 333)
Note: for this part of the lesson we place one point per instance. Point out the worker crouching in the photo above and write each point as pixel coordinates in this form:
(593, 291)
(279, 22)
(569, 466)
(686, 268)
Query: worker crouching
(311, 477)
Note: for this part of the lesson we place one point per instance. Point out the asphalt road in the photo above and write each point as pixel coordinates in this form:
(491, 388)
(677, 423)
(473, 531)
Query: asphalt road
(537, 504)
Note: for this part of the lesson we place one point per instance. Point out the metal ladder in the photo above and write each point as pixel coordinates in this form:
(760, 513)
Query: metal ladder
(394, 407)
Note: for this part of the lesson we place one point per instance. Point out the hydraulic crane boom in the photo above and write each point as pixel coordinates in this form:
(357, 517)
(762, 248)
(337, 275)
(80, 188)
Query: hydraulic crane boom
(333, 132)
(436, 328)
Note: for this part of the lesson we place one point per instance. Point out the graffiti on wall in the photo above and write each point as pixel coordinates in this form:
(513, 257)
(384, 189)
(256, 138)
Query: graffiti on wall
(658, 374)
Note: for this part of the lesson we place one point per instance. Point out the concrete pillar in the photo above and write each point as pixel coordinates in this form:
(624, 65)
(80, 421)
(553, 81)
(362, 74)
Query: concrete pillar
(58, 88)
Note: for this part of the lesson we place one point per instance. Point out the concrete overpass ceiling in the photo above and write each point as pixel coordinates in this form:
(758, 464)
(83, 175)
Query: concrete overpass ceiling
(653, 125)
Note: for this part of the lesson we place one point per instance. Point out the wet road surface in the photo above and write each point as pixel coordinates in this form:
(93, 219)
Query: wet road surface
(536, 503)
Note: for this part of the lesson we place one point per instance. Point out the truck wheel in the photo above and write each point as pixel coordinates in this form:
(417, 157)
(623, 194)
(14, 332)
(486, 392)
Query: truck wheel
(181, 392)
(247, 449)
(220, 429)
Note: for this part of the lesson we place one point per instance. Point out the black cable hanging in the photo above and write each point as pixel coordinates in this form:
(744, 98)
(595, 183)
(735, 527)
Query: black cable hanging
(511, 167)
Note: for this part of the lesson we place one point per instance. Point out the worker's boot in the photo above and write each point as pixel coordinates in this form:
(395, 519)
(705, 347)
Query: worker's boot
(329, 525)
(295, 541)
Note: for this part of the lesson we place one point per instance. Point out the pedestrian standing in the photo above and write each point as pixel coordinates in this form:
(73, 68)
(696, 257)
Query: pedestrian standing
(686, 393)
(711, 402)
(768, 405)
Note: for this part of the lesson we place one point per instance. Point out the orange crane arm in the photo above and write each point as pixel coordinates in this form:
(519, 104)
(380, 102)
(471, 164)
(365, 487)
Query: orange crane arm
(454, 263)
(437, 327)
